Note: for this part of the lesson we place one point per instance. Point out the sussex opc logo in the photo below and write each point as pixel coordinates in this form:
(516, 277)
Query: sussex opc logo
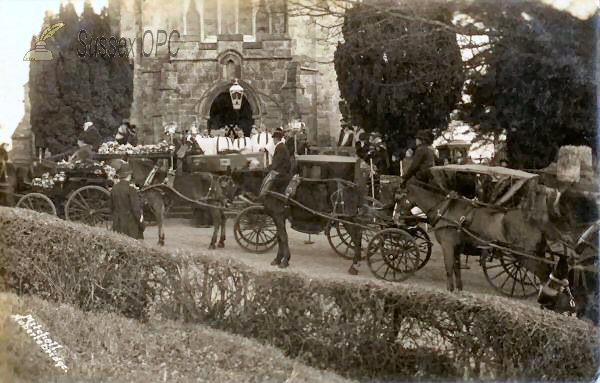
(40, 52)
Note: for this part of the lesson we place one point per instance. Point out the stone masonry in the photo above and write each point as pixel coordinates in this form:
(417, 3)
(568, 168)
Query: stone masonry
(282, 63)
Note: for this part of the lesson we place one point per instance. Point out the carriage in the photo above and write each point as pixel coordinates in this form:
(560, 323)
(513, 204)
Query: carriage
(77, 192)
(503, 189)
(256, 232)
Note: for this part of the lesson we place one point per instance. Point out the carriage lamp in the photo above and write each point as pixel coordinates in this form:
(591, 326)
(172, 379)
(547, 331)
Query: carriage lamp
(236, 92)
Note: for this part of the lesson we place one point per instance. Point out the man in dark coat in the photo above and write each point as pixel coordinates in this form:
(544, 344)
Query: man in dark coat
(126, 206)
(281, 162)
(92, 137)
(423, 159)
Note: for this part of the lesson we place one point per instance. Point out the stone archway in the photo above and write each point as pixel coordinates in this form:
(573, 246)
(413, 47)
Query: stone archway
(215, 93)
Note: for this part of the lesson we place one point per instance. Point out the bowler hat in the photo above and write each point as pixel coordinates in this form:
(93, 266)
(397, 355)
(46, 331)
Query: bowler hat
(124, 171)
(425, 136)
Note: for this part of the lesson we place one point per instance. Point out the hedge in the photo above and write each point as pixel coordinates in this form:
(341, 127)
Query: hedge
(360, 330)
(100, 347)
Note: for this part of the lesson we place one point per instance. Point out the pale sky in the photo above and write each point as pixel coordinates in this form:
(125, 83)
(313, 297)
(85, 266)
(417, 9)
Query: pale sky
(22, 19)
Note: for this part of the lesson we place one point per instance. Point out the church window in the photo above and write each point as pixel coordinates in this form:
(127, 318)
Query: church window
(219, 17)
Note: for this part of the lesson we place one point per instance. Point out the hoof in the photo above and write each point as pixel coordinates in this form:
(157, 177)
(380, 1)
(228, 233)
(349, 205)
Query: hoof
(275, 262)
(352, 270)
(221, 245)
(283, 264)
(211, 247)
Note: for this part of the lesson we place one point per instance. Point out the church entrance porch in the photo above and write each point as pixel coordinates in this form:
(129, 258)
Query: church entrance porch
(222, 114)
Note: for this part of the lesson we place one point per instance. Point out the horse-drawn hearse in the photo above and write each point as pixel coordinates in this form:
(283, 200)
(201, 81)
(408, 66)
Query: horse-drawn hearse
(74, 191)
(327, 195)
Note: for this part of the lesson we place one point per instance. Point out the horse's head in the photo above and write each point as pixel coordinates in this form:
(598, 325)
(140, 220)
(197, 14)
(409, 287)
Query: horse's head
(229, 187)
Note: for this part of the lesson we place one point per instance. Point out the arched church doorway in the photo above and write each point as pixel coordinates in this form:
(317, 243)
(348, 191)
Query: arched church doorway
(222, 114)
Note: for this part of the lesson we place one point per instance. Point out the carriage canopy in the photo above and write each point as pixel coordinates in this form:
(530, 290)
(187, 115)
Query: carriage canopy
(490, 184)
(323, 166)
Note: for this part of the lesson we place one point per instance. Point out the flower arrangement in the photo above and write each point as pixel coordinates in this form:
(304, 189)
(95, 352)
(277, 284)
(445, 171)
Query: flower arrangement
(113, 147)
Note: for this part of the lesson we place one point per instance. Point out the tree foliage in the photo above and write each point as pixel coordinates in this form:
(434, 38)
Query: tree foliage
(69, 90)
(534, 82)
(396, 73)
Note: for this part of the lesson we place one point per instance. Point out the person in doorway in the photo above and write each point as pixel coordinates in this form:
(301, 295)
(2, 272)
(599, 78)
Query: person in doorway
(126, 206)
(423, 159)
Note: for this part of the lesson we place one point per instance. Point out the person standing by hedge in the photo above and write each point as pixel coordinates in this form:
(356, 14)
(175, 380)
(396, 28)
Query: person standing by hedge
(126, 206)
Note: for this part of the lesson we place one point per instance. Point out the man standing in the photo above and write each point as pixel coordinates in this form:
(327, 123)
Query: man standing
(423, 159)
(282, 165)
(281, 156)
(126, 134)
(92, 137)
(126, 206)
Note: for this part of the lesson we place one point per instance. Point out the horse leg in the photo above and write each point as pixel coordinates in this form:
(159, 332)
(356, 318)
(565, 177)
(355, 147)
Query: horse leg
(223, 226)
(356, 236)
(157, 206)
(448, 249)
(457, 273)
(283, 252)
(216, 218)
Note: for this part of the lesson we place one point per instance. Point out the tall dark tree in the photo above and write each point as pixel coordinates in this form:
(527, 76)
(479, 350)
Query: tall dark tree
(535, 81)
(69, 90)
(398, 72)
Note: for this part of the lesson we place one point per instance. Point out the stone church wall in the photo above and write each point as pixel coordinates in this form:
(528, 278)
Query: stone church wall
(287, 72)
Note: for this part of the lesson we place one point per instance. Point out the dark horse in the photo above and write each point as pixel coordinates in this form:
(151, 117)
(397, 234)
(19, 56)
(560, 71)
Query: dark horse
(518, 228)
(202, 187)
(574, 212)
(324, 196)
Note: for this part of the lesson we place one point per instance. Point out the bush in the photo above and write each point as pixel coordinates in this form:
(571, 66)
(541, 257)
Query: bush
(362, 330)
(110, 348)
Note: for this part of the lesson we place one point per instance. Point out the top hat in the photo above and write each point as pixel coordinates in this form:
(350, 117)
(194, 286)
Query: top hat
(425, 136)
(124, 171)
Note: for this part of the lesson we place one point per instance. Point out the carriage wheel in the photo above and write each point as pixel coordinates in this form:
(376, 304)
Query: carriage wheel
(90, 205)
(423, 243)
(393, 255)
(37, 202)
(508, 276)
(340, 241)
(254, 230)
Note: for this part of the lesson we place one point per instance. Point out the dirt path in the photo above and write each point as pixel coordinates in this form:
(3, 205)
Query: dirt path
(316, 259)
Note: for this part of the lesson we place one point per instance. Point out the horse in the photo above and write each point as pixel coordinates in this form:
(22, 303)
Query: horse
(519, 228)
(203, 187)
(572, 212)
(318, 195)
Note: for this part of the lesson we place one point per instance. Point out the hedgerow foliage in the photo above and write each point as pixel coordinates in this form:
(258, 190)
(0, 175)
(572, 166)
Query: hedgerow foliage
(105, 347)
(357, 329)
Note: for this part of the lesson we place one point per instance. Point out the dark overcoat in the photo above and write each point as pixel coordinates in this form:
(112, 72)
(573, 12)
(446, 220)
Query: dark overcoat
(282, 162)
(126, 207)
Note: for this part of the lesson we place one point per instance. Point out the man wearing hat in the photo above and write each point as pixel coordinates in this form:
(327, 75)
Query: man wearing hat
(423, 159)
(126, 206)
(92, 137)
(126, 134)
(84, 152)
(281, 156)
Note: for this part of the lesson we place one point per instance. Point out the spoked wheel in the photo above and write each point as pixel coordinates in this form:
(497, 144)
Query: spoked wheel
(393, 255)
(37, 202)
(508, 276)
(255, 230)
(423, 243)
(89, 205)
(340, 241)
